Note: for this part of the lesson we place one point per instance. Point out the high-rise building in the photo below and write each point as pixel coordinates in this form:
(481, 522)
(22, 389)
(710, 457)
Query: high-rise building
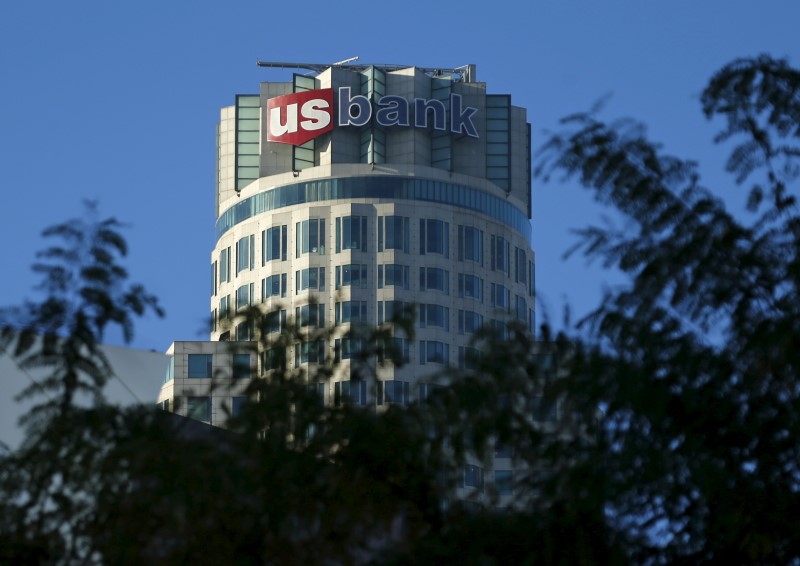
(352, 191)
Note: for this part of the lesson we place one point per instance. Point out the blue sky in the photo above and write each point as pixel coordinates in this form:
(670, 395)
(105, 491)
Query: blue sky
(118, 101)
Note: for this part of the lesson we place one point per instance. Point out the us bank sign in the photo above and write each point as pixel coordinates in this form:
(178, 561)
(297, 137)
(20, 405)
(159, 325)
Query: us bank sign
(302, 116)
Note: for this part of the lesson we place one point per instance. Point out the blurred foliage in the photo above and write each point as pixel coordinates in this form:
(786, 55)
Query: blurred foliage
(675, 442)
(695, 363)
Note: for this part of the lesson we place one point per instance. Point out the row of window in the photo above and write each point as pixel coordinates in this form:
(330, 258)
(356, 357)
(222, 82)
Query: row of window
(313, 279)
(200, 366)
(473, 477)
(388, 188)
(351, 234)
(389, 392)
(396, 351)
(429, 315)
(199, 408)
(398, 392)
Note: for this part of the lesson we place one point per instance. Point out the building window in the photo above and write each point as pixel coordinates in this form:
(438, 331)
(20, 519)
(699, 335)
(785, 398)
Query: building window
(273, 244)
(351, 233)
(433, 352)
(531, 279)
(274, 321)
(434, 279)
(393, 392)
(354, 392)
(349, 347)
(472, 476)
(504, 482)
(468, 357)
(245, 254)
(310, 352)
(273, 358)
(350, 311)
(248, 112)
(469, 322)
(310, 315)
(393, 233)
(237, 404)
(199, 408)
(225, 307)
(170, 374)
(395, 350)
(214, 279)
(470, 244)
(426, 390)
(310, 237)
(521, 308)
(244, 295)
(200, 366)
(273, 286)
(393, 275)
(241, 366)
(501, 297)
(501, 251)
(352, 275)
(434, 316)
(311, 278)
(434, 237)
(498, 140)
(244, 331)
(470, 287)
(225, 265)
(388, 311)
(521, 265)
(318, 389)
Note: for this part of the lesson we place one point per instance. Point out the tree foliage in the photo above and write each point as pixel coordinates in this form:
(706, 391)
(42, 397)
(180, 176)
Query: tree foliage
(695, 362)
(676, 442)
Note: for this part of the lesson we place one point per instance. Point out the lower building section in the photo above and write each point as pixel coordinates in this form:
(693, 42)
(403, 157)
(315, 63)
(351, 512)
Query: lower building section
(194, 367)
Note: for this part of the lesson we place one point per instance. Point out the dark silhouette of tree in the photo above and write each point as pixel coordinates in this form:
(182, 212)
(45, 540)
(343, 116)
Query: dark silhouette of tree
(47, 487)
(675, 442)
(695, 363)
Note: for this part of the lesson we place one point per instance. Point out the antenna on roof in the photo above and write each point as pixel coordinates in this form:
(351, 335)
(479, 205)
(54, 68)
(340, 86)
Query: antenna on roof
(350, 60)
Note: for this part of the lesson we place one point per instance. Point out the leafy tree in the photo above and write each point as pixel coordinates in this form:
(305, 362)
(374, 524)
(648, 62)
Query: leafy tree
(677, 442)
(695, 363)
(47, 485)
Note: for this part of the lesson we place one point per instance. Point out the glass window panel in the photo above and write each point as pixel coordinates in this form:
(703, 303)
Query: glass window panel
(497, 113)
(247, 149)
(496, 124)
(248, 137)
(504, 482)
(241, 366)
(198, 408)
(248, 113)
(497, 137)
(247, 125)
(199, 366)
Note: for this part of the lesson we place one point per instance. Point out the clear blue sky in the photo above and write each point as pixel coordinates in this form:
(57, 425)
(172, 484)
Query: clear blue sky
(118, 101)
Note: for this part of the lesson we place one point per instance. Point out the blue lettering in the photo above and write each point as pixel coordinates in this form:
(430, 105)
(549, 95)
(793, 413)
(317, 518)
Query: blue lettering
(461, 120)
(421, 108)
(392, 111)
(346, 104)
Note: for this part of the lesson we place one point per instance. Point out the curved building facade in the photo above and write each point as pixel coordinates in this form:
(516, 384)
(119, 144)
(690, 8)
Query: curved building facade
(350, 192)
